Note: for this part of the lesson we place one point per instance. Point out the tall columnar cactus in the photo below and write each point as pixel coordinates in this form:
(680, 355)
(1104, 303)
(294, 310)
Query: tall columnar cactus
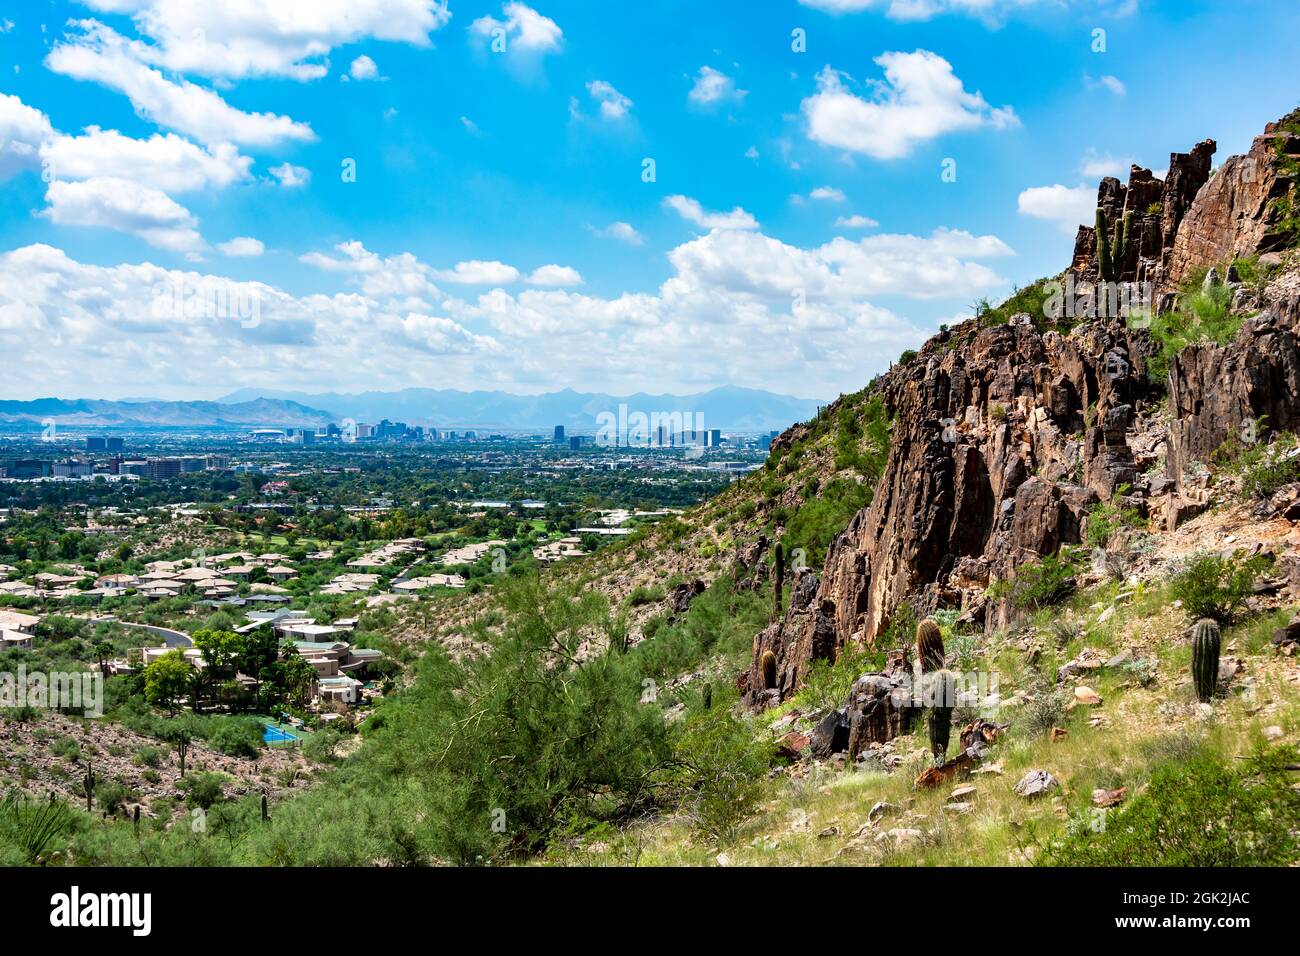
(88, 784)
(940, 729)
(1123, 235)
(708, 696)
(1205, 658)
(1105, 267)
(930, 653)
(929, 646)
(778, 578)
(1113, 244)
(767, 667)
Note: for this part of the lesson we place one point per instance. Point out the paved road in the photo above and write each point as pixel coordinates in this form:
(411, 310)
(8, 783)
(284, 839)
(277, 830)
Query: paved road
(170, 638)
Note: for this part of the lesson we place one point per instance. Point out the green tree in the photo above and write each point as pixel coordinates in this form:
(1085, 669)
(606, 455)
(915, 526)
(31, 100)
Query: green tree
(167, 680)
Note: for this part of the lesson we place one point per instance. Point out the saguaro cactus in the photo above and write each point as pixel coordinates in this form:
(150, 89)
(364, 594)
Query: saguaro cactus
(930, 653)
(708, 696)
(88, 784)
(1105, 268)
(778, 578)
(1205, 658)
(929, 646)
(767, 667)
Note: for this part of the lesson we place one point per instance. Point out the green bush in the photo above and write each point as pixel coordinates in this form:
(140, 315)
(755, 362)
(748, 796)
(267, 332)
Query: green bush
(1216, 587)
(821, 518)
(237, 736)
(1198, 812)
(203, 789)
(1274, 467)
(1038, 584)
(1107, 518)
(1203, 315)
(723, 763)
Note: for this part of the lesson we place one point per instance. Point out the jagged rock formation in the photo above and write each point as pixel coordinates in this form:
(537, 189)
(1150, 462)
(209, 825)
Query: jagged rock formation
(1006, 436)
(1215, 392)
(1151, 210)
(1237, 212)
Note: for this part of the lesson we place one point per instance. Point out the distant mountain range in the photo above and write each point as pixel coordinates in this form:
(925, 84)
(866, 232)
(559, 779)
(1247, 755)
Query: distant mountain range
(85, 412)
(728, 407)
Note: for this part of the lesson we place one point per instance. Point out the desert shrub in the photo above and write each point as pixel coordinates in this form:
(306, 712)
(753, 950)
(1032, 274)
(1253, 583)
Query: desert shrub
(112, 795)
(506, 748)
(150, 756)
(203, 788)
(862, 437)
(322, 747)
(236, 736)
(827, 684)
(723, 762)
(645, 595)
(1038, 584)
(1271, 468)
(1203, 315)
(1105, 518)
(1198, 812)
(65, 747)
(820, 519)
(1216, 587)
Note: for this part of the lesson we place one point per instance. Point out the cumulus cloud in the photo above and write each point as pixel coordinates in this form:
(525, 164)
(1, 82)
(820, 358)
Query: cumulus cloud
(691, 210)
(291, 176)
(523, 29)
(920, 99)
(555, 277)
(22, 131)
(989, 11)
(737, 305)
(1096, 165)
(167, 162)
(100, 55)
(292, 39)
(479, 272)
(713, 87)
(363, 68)
(242, 247)
(856, 222)
(1067, 206)
(126, 206)
(613, 104)
(828, 194)
(622, 231)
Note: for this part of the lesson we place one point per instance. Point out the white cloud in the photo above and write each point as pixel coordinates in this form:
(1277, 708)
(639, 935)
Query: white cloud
(100, 55)
(22, 131)
(167, 162)
(553, 276)
(127, 207)
(622, 231)
(6, 25)
(1106, 82)
(1067, 206)
(990, 11)
(856, 222)
(613, 104)
(242, 247)
(828, 194)
(921, 98)
(363, 68)
(1095, 165)
(524, 30)
(732, 293)
(470, 126)
(751, 153)
(291, 176)
(479, 272)
(690, 210)
(713, 87)
(277, 38)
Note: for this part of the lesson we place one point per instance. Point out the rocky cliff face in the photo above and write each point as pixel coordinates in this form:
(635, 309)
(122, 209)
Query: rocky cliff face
(1006, 436)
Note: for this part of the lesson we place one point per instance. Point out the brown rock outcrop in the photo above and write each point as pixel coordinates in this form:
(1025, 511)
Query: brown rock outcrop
(1236, 212)
(965, 492)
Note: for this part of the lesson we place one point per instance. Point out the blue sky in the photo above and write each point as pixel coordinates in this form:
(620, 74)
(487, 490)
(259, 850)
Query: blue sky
(179, 218)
